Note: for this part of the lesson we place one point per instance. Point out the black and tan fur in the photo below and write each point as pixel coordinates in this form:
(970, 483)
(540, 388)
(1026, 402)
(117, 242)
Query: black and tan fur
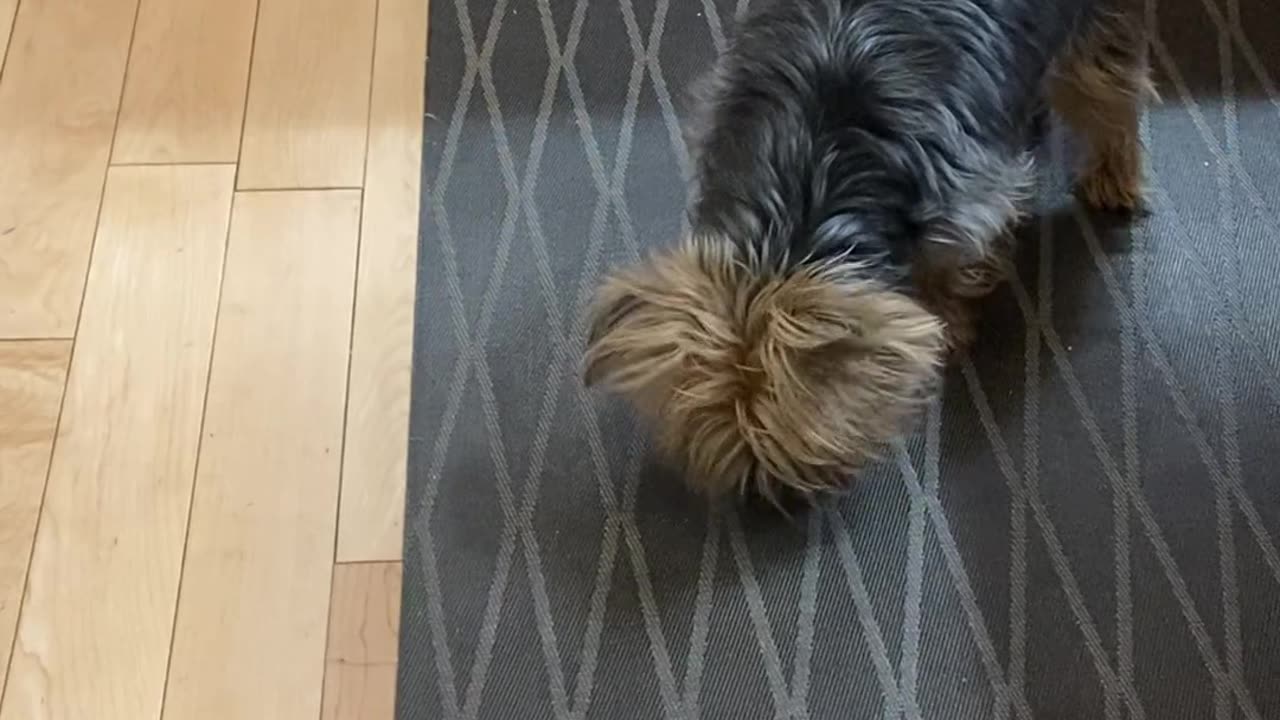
(859, 166)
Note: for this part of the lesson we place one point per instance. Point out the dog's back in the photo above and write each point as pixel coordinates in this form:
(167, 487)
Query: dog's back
(831, 120)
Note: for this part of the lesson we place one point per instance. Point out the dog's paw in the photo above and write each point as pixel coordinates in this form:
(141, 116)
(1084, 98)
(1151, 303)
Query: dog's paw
(1114, 184)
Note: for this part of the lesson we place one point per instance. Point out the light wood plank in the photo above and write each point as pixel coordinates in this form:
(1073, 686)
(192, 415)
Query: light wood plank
(309, 95)
(188, 75)
(249, 641)
(58, 101)
(373, 477)
(98, 612)
(31, 379)
(7, 10)
(364, 622)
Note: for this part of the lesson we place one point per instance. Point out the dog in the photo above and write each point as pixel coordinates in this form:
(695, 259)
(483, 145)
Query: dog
(859, 165)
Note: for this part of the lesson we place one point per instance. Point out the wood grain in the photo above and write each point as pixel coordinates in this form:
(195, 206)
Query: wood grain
(31, 378)
(98, 612)
(58, 100)
(373, 478)
(309, 95)
(364, 622)
(188, 74)
(250, 634)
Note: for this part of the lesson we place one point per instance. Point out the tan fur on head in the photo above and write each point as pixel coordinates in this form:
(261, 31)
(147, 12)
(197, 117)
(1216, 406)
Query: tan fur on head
(763, 380)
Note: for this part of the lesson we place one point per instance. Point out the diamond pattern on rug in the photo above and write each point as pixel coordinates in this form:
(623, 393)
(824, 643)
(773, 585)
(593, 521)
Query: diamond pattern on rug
(1084, 524)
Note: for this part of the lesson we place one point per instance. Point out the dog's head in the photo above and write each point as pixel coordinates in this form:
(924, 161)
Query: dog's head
(759, 379)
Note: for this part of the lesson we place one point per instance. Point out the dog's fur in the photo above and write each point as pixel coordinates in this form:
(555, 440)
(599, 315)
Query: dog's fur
(859, 166)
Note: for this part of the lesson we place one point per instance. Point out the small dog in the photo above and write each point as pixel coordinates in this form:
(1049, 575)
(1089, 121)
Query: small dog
(858, 168)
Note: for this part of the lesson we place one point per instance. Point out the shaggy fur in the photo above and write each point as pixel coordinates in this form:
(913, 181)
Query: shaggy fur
(756, 375)
(859, 166)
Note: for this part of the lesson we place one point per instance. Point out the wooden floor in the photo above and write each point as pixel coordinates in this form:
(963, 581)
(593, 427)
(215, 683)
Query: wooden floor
(208, 227)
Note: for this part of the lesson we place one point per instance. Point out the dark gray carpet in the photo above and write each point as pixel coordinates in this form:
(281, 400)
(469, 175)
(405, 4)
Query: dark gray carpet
(1086, 526)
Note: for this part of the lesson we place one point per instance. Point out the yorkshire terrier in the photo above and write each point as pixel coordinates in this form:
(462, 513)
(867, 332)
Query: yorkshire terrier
(859, 166)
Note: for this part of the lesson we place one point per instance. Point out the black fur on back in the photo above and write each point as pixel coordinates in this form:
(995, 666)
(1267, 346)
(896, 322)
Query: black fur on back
(862, 129)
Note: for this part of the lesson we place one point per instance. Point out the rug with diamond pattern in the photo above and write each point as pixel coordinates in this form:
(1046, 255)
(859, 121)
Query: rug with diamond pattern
(1084, 526)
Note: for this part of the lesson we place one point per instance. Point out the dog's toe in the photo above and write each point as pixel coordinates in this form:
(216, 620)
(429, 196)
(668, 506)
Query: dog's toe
(1114, 185)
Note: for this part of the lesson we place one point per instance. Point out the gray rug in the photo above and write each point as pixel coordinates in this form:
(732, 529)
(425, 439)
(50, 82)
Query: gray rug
(1085, 526)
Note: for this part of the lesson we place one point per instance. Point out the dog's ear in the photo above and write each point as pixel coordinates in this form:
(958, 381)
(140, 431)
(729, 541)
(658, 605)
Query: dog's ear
(651, 320)
(608, 354)
(640, 322)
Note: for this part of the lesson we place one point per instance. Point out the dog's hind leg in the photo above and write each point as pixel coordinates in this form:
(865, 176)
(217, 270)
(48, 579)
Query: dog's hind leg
(1099, 85)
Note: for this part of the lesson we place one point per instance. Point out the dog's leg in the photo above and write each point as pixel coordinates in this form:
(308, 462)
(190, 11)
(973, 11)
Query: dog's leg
(1099, 85)
(957, 314)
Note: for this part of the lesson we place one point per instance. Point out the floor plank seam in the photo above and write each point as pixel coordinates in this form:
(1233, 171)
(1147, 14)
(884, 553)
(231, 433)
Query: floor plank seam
(195, 468)
(176, 163)
(8, 44)
(351, 338)
(35, 532)
(248, 85)
(330, 188)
